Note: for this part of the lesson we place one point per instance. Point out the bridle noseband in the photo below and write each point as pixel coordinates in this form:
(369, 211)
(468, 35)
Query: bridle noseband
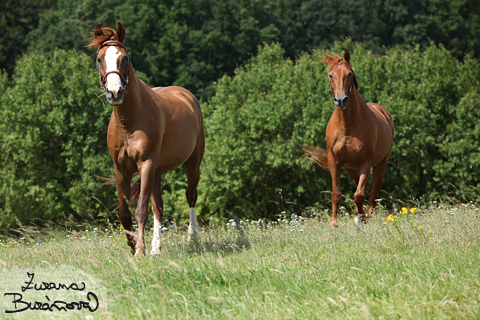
(351, 83)
(124, 78)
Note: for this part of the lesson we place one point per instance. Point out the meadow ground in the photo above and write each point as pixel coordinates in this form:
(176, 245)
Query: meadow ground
(402, 265)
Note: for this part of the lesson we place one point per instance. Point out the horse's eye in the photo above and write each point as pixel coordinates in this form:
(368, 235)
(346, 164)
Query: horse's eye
(125, 58)
(99, 60)
(350, 74)
(330, 76)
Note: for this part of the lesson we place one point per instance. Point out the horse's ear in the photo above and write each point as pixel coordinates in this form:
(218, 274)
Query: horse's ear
(327, 58)
(98, 31)
(120, 32)
(346, 55)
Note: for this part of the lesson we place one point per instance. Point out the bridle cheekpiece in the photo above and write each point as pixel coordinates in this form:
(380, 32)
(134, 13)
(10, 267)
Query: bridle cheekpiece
(124, 78)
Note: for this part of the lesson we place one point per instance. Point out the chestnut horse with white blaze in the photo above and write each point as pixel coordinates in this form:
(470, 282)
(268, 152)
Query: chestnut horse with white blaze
(359, 136)
(151, 131)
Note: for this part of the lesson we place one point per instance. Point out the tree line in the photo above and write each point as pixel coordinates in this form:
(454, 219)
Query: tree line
(192, 43)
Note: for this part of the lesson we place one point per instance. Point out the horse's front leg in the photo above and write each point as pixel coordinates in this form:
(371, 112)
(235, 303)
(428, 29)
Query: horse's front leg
(123, 188)
(147, 175)
(359, 197)
(335, 169)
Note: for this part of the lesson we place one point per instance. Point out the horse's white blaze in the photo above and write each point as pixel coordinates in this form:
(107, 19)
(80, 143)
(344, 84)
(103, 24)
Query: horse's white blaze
(193, 228)
(157, 237)
(114, 83)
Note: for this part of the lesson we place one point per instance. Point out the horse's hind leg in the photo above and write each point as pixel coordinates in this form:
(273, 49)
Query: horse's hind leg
(192, 166)
(378, 173)
(157, 208)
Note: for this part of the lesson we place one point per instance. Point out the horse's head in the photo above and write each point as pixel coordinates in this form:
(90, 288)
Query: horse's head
(341, 78)
(113, 61)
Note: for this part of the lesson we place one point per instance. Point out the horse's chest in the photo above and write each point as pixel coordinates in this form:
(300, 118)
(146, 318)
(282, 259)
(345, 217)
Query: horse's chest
(347, 150)
(129, 154)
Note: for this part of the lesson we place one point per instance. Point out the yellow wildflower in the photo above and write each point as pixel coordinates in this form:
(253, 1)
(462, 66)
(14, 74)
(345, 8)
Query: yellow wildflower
(391, 218)
(385, 222)
(413, 210)
(430, 231)
(420, 228)
(404, 210)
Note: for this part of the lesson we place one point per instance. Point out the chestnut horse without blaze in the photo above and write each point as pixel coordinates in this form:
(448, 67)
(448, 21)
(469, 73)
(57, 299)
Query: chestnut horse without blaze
(359, 137)
(151, 131)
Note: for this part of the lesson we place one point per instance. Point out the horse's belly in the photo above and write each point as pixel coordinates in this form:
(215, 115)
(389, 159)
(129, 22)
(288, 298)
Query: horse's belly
(175, 152)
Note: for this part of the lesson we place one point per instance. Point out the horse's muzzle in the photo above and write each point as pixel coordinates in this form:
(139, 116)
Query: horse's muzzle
(115, 99)
(341, 103)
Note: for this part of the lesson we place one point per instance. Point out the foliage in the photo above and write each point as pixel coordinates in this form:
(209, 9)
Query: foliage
(192, 43)
(69, 25)
(260, 118)
(17, 19)
(53, 128)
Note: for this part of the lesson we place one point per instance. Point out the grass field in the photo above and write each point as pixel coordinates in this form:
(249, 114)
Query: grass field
(420, 265)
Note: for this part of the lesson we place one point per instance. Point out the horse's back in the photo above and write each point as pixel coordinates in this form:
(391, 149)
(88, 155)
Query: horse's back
(179, 102)
(382, 114)
(183, 124)
(385, 129)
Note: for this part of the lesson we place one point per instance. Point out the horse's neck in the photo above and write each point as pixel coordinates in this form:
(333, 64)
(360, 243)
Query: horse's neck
(356, 110)
(128, 113)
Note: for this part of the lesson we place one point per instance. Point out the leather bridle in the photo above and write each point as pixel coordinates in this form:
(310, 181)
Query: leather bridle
(124, 78)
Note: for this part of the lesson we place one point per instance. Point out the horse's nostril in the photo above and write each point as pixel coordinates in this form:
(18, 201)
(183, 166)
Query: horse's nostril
(345, 101)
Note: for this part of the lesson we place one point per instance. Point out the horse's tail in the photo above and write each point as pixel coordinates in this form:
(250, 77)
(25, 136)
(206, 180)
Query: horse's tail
(134, 191)
(317, 155)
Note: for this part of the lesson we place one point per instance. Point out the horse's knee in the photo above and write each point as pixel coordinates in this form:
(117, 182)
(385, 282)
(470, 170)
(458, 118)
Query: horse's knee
(336, 197)
(359, 198)
(141, 215)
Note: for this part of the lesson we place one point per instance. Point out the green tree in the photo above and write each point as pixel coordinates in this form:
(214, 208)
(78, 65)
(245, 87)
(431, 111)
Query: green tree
(17, 19)
(69, 25)
(53, 140)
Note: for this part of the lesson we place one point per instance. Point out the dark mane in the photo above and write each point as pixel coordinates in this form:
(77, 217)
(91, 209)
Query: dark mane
(96, 42)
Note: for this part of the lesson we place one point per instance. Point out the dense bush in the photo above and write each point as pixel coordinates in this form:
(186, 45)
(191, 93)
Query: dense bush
(53, 136)
(53, 127)
(259, 119)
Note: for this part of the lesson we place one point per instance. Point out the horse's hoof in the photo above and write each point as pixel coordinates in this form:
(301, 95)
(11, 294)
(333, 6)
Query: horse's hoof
(155, 252)
(333, 225)
(358, 221)
(193, 238)
(139, 253)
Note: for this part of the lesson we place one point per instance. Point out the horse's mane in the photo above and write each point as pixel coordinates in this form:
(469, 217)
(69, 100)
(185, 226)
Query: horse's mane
(96, 42)
(335, 59)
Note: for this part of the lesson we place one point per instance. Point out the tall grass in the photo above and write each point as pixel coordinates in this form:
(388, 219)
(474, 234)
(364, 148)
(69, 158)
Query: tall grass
(421, 265)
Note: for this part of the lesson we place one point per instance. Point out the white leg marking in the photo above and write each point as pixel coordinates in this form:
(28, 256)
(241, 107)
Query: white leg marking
(157, 237)
(193, 236)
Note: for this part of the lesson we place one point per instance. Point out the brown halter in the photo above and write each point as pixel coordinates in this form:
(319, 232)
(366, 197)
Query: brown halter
(124, 78)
